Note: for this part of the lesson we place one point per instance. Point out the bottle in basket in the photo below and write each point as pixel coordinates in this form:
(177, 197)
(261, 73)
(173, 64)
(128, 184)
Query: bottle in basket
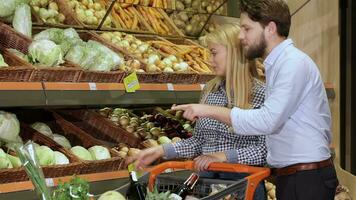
(182, 191)
(136, 190)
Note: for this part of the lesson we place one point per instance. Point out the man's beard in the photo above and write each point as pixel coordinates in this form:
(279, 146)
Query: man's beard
(257, 50)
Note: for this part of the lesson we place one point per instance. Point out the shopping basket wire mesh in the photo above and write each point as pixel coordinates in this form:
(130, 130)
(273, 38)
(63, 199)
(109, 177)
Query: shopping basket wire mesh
(242, 189)
(203, 189)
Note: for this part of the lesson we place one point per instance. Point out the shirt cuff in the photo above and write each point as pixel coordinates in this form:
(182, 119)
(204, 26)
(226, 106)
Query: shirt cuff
(234, 119)
(231, 156)
(169, 151)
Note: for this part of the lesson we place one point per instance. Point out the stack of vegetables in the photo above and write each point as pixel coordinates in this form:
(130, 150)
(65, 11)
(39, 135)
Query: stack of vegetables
(93, 153)
(197, 57)
(90, 12)
(48, 11)
(143, 51)
(19, 13)
(52, 46)
(190, 24)
(166, 4)
(127, 17)
(49, 47)
(9, 133)
(155, 129)
(158, 20)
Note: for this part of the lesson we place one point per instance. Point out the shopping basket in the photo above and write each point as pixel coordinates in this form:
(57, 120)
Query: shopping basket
(242, 189)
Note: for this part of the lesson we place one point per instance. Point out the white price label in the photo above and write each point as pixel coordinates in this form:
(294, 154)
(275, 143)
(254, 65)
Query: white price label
(92, 86)
(49, 182)
(170, 87)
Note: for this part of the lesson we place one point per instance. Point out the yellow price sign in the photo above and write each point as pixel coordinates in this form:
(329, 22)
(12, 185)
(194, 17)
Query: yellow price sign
(131, 83)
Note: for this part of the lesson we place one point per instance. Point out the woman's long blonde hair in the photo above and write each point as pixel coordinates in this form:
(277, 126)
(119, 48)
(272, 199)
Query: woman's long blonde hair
(238, 70)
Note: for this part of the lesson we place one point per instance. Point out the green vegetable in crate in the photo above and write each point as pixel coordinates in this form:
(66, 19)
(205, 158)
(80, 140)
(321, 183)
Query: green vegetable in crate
(19, 54)
(9, 127)
(94, 56)
(57, 35)
(99, 153)
(111, 195)
(45, 52)
(15, 161)
(2, 62)
(65, 38)
(63, 141)
(77, 53)
(45, 156)
(14, 144)
(60, 158)
(22, 20)
(81, 153)
(5, 162)
(7, 7)
(42, 128)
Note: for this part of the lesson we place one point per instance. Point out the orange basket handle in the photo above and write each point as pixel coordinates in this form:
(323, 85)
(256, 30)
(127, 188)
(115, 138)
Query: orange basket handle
(257, 173)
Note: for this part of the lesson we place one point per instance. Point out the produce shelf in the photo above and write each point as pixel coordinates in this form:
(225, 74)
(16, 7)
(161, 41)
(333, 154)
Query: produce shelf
(24, 94)
(27, 185)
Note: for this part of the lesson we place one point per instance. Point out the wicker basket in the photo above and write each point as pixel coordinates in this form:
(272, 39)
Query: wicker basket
(79, 137)
(96, 76)
(19, 70)
(19, 174)
(204, 78)
(178, 77)
(102, 77)
(9, 38)
(143, 77)
(15, 74)
(57, 170)
(69, 73)
(100, 127)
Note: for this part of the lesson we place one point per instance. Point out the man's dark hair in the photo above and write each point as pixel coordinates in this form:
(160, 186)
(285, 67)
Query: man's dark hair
(266, 11)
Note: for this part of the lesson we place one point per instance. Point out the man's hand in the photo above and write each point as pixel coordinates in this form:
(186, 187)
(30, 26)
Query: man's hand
(146, 157)
(202, 162)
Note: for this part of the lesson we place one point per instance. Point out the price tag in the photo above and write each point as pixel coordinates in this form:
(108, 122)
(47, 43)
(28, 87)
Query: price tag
(170, 87)
(49, 182)
(92, 86)
(131, 83)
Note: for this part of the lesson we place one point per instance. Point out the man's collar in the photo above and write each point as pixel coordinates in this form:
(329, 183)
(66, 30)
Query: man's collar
(276, 52)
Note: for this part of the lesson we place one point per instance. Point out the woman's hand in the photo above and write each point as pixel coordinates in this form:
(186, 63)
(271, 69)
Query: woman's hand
(146, 157)
(193, 111)
(202, 162)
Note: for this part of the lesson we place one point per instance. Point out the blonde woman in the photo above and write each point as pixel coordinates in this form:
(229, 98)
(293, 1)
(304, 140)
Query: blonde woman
(212, 140)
